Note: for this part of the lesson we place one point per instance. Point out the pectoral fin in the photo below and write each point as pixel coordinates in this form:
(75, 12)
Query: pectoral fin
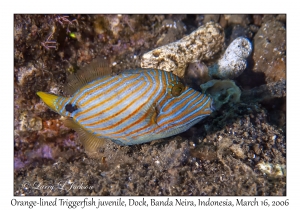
(151, 112)
(152, 115)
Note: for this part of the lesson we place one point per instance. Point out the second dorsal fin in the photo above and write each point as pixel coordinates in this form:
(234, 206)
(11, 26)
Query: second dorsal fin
(99, 67)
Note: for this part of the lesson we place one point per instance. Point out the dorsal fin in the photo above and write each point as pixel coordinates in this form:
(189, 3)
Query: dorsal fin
(91, 143)
(99, 67)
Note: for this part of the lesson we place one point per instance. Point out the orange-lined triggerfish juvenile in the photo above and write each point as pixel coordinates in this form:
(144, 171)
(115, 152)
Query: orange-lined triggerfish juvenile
(133, 107)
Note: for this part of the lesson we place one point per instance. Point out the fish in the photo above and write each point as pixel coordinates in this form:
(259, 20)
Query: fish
(133, 107)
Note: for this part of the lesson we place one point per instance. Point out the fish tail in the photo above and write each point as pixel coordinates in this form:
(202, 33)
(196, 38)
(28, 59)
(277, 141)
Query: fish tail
(49, 100)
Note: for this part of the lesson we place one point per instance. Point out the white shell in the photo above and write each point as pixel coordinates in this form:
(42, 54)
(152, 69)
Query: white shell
(234, 60)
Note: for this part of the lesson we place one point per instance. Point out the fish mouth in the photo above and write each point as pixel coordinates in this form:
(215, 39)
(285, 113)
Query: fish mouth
(48, 99)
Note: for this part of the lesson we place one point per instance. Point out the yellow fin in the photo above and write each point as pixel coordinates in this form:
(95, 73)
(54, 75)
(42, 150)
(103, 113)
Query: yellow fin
(91, 143)
(49, 99)
(97, 68)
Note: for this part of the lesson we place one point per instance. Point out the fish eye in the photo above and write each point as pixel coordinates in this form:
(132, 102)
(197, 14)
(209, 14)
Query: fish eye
(176, 88)
(70, 108)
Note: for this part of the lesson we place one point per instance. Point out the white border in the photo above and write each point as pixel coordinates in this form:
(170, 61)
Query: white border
(151, 6)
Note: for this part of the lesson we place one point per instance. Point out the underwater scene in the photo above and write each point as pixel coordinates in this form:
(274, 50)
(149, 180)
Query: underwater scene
(148, 105)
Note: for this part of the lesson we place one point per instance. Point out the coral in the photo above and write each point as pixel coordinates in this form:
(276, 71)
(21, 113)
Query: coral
(114, 24)
(30, 123)
(52, 129)
(273, 171)
(233, 62)
(222, 92)
(201, 44)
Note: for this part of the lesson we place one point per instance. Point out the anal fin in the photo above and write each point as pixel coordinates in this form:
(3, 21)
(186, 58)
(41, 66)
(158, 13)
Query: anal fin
(91, 143)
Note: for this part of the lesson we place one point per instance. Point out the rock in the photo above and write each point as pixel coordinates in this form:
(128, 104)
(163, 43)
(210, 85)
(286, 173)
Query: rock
(196, 74)
(211, 17)
(171, 31)
(281, 18)
(265, 92)
(240, 31)
(232, 63)
(237, 150)
(234, 60)
(256, 149)
(237, 19)
(201, 44)
(257, 19)
(269, 51)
